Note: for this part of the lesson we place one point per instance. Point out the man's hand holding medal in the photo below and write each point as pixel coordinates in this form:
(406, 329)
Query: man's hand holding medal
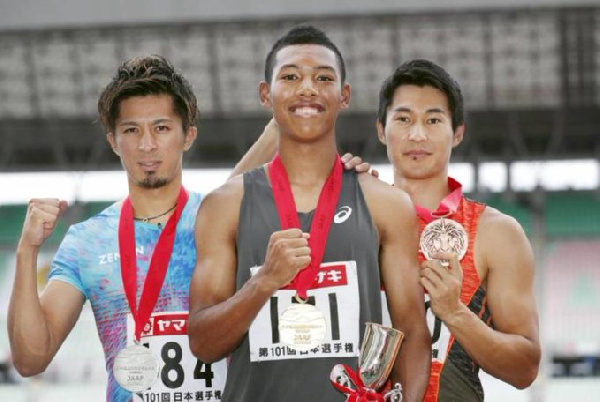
(442, 278)
(444, 243)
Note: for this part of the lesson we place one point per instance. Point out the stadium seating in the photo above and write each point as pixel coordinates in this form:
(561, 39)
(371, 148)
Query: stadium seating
(573, 214)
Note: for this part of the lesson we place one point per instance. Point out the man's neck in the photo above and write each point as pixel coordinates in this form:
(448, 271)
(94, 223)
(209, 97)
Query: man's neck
(155, 201)
(427, 193)
(308, 164)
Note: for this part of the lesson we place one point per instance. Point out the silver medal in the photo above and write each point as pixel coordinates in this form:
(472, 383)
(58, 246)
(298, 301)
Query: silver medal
(446, 236)
(135, 368)
(302, 326)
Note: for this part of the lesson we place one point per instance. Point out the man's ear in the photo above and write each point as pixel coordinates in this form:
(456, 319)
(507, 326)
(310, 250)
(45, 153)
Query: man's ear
(264, 92)
(110, 137)
(346, 96)
(458, 135)
(190, 137)
(381, 132)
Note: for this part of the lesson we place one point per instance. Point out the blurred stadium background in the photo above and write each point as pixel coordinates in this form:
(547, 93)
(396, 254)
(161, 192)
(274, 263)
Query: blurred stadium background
(530, 72)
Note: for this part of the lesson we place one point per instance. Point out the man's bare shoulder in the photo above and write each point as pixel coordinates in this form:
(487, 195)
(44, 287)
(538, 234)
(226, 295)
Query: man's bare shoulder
(501, 241)
(390, 207)
(382, 192)
(227, 195)
(496, 225)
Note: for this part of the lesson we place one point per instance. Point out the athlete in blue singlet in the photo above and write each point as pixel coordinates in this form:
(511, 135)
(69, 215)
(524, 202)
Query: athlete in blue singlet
(150, 113)
(88, 259)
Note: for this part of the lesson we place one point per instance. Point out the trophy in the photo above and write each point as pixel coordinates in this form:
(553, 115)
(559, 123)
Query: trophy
(375, 362)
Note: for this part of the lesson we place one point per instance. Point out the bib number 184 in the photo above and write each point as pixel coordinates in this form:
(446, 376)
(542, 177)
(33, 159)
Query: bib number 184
(172, 373)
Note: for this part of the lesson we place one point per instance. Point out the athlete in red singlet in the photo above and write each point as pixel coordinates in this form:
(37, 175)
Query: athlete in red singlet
(482, 309)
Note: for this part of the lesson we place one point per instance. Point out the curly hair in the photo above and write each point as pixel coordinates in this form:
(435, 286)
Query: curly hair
(147, 76)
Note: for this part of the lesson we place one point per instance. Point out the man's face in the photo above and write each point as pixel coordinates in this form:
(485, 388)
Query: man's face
(149, 139)
(418, 132)
(306, 92)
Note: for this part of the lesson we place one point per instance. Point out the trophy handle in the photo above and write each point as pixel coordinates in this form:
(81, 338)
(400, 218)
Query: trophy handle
(395, 394)
(339, 375)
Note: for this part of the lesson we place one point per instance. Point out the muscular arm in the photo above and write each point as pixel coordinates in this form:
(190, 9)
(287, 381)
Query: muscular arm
(511, 351)
(37, 326)
(396, 220)
(261, 152)
(220, 316)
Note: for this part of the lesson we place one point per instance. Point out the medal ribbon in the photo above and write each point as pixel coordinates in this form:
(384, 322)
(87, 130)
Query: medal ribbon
(362, 394)
(321, 223)
(448, 206)
(158, 264)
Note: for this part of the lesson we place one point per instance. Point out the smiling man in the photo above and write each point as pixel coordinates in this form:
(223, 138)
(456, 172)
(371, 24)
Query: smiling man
(292, 255)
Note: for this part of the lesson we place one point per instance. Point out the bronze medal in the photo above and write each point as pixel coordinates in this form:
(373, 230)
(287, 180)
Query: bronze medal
(446, 236)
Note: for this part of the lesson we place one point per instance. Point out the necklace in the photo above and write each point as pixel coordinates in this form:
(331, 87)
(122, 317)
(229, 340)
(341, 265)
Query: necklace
(146, 220)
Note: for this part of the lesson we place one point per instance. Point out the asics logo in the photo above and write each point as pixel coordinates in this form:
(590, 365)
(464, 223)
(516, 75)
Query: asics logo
(342, 215)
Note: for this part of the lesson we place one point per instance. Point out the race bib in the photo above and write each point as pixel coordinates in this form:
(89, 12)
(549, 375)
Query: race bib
(182, 377)
(335, 294)
(440, 334)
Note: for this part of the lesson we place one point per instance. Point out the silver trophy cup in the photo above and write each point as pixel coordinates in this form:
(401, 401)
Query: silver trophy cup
(377, 355)
(375, 362)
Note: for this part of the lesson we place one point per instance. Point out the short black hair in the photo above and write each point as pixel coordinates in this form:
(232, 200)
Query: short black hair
(143, 76)
(303, 34)
(422, 73)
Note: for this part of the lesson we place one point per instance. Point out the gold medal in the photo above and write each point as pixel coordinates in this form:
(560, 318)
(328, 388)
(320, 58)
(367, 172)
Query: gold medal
(135, 368)
(446, 236)
(302, 326)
